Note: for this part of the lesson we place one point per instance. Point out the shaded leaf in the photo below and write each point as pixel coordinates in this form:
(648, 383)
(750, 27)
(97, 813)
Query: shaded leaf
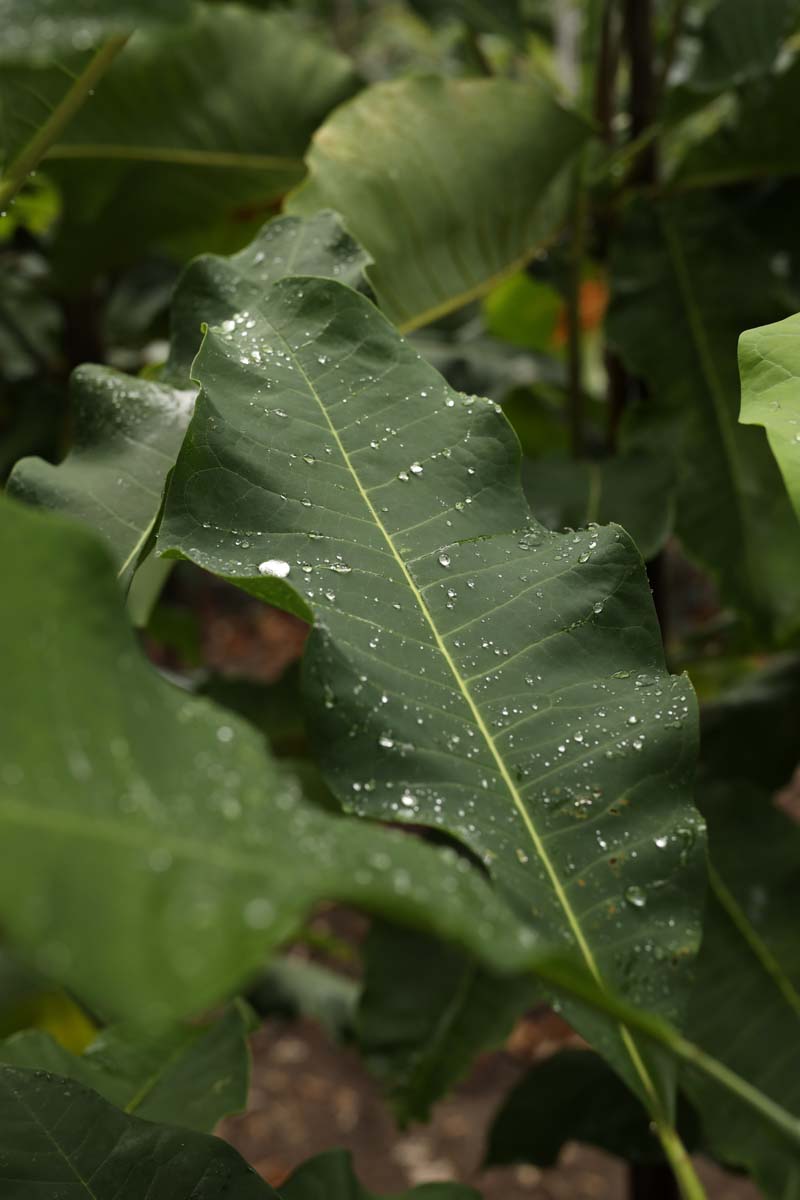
(508, 688)
(61, 1139)
(437, 243)
(769, 362)
(745, 1006)
(194, 135)
(740, 41)
(677, 313)
(191, 1076)
(330, 1177)
(296, 987)
(425, 1012)
(633, 489)
(573, 1096)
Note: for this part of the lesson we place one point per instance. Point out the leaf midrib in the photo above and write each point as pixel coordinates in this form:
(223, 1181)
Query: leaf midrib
(185, 156)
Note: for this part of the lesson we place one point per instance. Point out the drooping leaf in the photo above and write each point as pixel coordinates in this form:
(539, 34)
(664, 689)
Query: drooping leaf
(296, 987)
(151, 852)
(746, 1002)
(426, 202)
(186, 1075)
(677, 313)
(425, 1012)
(59, 1139)
(331, 1177)
(508, 688)
(192, 137)
(769, 362)
(213, 289)
(42, 29)
(127, 432)
(573, 1096)
(633, 489)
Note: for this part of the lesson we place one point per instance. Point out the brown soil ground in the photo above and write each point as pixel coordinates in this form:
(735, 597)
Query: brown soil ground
(309, 1095)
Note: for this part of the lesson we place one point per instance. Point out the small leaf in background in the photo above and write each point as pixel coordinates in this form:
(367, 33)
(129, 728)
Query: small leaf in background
(525, 312)
(740, 41)
(769, 362)
(436, 245)
(573, 1096)
(61, 1139)
(425, 1012)
(189, 1075)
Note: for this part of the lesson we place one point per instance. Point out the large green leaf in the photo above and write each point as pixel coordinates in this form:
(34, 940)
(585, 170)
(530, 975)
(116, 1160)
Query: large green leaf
(188, 1075)
(751, 924)
(769, 361)
(331, 1177)
(193, 134)
(43, 29)
(61, 1140)
(677, 312)
(151, 851)
(460, 185)
(127, 432)
(507, 687)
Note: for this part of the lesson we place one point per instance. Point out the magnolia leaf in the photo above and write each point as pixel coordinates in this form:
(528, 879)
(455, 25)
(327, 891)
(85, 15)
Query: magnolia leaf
(750, 932)
(436, 243)
(505, 687)
(573, 1096)
(426, 1011)
(331, 1177)
(61, 1139)
(769, 362)
(187, 1075)
(676, 270)
(151, 852)
(213, 289)
(634, 489)
(42, 29)
(127, 434)
(170, 149)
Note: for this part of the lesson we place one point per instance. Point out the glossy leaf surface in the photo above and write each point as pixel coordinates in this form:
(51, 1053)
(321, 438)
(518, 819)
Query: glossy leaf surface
(59, 1139)
(506, 687)
(425, 202)
(191, 1076)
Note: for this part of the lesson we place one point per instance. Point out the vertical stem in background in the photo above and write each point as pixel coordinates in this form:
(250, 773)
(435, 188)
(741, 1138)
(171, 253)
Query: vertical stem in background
(574, 331)
(31, 155)
(641, 57)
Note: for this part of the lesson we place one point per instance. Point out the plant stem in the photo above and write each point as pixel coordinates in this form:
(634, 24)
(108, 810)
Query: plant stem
(682, 1166)
(639, 37)
(31, 155)
(578, 230)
